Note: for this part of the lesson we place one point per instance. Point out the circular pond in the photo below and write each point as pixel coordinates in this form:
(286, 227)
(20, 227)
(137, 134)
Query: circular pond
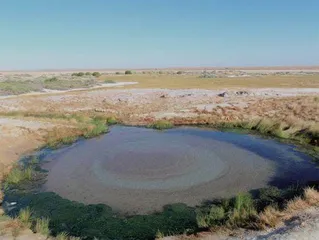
(138, 170)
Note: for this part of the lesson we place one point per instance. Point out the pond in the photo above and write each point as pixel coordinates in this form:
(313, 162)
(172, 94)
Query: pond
(138, 171)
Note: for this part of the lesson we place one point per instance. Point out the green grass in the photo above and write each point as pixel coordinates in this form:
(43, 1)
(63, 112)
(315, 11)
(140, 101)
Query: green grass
(25, 217)
(161, 125)
(18, 174)
(159, 234)
(62, 236)
(42, 226)
(300, 133)
(236, 212)
(109, 81)
(243, 211)
(18, 87)
(96, 128)
(111, 120)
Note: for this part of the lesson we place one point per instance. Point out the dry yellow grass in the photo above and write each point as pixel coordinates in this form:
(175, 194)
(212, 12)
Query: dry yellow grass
(311, 196)
(188, 82)
(270, 217)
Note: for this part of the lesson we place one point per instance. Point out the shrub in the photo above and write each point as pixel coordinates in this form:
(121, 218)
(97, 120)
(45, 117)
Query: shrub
(128, 72)
(111, 120)
(79, 74)
(161, 124)
(202, 219)
(96, 128)
(96, 74)
(18, 175)
(179, 72)
(62, 236)
(42, 226)
(53, 79)
(109, 81)
(88, 74)
(159, 234)
(216, 214)
(117, 73)
(243, 211)
(25, 217)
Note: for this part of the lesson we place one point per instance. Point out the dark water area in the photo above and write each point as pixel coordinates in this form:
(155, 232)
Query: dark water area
(132, 182)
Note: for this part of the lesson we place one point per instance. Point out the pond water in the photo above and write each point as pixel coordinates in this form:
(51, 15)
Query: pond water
(139, 170)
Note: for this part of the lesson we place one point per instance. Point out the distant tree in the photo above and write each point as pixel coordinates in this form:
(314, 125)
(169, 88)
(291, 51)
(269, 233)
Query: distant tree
(79, 74)
(128, 72)
(88, 74)
(179, 72)
(96, 74)
(117, 73)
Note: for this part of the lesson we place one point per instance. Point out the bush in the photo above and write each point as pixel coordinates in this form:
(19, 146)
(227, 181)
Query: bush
(111, 120)
(42, 226)
(109, 81)
(18, 175)
(79, 74)
(161, 124)
(96, 74)
(62, 236)
(53, 79)
(25, 217)
(128, 72)
(216, 214)
(88, 74)
(179, 72)
(118, 73)
(243, 210)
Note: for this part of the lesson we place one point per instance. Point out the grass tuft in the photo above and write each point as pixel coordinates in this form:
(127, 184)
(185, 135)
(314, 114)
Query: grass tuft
(159, 234)
(311, 196)
(25, 217)
(62, 236)
(161, 124)
(42, 226)
(18, 174)
(270, 217)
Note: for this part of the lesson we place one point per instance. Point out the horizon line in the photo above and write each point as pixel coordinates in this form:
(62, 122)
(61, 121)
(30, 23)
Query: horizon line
(276, 67)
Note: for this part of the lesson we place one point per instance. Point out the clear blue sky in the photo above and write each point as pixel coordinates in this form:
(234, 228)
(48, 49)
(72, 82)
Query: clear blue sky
(51, 34)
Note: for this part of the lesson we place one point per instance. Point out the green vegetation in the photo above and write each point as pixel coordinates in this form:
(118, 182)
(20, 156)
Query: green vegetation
(79, 74)
(236, 212)
(19, 87)
(97, 127)
(25, 217)
(100, 221)
(112, 120)
(19, 174)
(62, 236)
(53, 79)
(42, 226)
(109, 81)
(128, 72)
(96, 74)
(302, 133)
(161, 125)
